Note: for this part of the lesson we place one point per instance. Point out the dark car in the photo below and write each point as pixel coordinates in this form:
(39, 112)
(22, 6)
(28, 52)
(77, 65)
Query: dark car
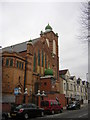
(25, 111)
(73, 105)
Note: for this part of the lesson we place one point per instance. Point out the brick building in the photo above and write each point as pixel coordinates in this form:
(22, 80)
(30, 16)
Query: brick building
(33, 64)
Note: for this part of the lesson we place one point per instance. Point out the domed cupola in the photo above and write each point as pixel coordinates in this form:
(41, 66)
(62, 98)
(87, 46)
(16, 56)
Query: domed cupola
(48, 72)
(48, 28)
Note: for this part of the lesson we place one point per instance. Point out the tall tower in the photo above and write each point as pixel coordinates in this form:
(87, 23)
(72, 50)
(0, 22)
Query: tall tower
(52, 42)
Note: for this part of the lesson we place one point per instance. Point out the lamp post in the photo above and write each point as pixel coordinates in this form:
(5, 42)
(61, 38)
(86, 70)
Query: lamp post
(43, 94)
(30, 96)
(39, 95)
(19, 90)
(25, 96)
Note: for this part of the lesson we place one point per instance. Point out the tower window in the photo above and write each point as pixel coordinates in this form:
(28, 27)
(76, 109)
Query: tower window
(11, 62)
(19, 64)
(39, 57)
(42, 58)
(45, 83)
(22, 65)
(7, 62)
(54, 47)
(47, 42)
(34, 64)
(45, 61)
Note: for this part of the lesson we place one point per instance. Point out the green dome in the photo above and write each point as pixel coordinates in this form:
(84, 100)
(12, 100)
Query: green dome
(48, 27)
(48, 72)
(30, 40)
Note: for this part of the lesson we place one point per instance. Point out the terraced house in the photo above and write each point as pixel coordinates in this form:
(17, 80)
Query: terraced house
(72, 88)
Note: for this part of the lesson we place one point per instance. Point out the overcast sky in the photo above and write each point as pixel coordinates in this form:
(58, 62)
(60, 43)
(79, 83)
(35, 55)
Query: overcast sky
(21, 21)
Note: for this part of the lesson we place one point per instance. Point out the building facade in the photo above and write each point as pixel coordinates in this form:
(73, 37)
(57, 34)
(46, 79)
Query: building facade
(72, 88)
(34, 65)
(24, 65)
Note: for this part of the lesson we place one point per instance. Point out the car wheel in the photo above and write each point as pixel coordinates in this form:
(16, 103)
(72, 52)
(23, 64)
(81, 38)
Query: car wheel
(79, 107)
(75, 108)
(4, 117)
(26, 116)
(61, 111)
(42, 114)
(52, 112)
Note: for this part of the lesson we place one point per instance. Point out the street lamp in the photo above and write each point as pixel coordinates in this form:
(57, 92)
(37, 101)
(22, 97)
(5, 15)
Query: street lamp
(39, 95)
(43, 94)
(19, 90)
(25, 93)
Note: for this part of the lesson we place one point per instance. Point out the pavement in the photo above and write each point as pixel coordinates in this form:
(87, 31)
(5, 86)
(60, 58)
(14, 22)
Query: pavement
(85, 104)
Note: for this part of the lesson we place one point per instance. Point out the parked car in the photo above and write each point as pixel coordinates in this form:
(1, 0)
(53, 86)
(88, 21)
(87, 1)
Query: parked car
(51, 106)
(73, 105)
(25, 111)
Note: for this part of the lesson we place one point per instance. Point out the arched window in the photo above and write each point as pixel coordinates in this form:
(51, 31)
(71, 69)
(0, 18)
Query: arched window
(45, 61)
(48, 64)
(54, 47)
(7, 62)
(34, 63)
(11, 62)
(22, 65)
(39, 57)
(42, 58)
(19, 65)
(47, 42)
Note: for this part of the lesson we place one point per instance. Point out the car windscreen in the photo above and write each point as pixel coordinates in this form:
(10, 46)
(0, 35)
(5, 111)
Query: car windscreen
(19, 107)
(44, 103)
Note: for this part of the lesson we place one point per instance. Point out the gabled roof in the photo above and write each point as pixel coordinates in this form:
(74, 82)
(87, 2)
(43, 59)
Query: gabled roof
(19, 47)
(78, 81)
(72, 77)
(83, 82)
(63, 72)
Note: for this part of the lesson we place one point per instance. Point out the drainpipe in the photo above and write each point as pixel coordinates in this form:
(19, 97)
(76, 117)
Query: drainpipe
(25, 79)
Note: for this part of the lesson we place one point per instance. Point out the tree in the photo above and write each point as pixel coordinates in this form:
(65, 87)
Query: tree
(85, 21)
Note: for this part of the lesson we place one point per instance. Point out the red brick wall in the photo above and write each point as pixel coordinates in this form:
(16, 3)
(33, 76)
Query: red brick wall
(6, 107)
(46, 87)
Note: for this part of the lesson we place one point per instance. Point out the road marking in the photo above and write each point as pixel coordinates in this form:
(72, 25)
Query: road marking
(83, 115)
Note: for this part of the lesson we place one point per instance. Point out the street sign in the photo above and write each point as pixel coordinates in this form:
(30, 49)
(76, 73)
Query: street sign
(16, 91)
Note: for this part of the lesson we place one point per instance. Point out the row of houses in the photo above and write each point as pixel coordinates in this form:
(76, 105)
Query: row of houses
(73, 88)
